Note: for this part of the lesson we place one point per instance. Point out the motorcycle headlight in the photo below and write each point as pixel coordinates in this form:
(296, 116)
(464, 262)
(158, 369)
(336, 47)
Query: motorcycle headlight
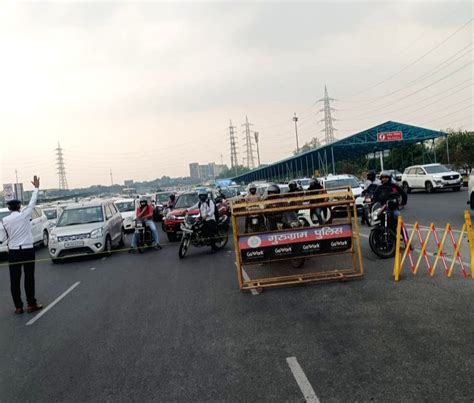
(97, 233)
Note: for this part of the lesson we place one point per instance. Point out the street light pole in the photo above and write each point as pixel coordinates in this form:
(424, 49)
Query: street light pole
(258, 148)
(295, 119)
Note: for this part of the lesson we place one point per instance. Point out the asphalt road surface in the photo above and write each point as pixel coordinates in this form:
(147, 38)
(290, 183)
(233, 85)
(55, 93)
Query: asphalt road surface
(152, 327)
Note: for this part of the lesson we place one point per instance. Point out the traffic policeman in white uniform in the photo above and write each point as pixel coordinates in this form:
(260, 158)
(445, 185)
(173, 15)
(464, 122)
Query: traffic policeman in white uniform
(21, 252)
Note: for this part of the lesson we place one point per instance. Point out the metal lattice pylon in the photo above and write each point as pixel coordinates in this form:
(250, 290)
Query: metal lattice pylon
(61, 168)
(233, 146)
(328, 119)
(249, 152)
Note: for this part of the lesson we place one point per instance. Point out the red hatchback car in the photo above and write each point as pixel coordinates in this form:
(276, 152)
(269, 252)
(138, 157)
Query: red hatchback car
(172, 222)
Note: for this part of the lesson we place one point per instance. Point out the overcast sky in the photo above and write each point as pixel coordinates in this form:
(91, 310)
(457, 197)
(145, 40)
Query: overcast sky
(144, 88)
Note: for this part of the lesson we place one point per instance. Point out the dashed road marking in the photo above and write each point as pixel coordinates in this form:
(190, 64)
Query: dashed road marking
(247, 278)
(41, 313)
(302, 380)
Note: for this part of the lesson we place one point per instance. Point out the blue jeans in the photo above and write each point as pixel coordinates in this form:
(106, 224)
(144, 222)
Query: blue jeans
(154, 233)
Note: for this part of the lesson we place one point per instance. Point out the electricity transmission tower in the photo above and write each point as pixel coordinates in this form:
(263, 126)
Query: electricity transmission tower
(250, 156)
(328, 119)
(233, 146)
(61, 168)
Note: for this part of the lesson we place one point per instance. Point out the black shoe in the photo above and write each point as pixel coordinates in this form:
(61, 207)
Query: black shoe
(34, 308)
(158, 246)
(19, 311)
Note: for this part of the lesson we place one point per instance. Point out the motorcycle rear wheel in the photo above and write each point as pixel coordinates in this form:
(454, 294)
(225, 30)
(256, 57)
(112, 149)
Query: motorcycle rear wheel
(221, 241)
(383, 241)
(184, 246)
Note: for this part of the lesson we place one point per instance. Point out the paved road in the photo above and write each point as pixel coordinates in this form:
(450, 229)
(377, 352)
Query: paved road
(153, 327)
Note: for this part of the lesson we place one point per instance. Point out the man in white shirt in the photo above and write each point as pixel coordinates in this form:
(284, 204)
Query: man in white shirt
(21, 250)
(207, 210)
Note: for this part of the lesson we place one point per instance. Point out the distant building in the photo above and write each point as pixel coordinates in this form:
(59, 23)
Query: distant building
(205, 172)
(128, 183)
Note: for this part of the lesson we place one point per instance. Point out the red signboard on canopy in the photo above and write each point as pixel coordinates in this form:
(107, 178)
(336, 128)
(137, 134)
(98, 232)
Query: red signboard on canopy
(390, 136)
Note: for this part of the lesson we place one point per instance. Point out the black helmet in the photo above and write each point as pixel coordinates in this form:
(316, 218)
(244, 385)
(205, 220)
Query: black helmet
(371, 175)
(273, 189)
(293, 186)
(313, 184)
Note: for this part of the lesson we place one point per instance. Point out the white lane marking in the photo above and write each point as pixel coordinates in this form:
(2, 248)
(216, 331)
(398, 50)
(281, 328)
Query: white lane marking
(92, 268)
(247, 278)
(303, 383)
(41, 313)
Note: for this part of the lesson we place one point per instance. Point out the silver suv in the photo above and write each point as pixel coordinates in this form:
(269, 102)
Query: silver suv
(430, 177)
(86, 228)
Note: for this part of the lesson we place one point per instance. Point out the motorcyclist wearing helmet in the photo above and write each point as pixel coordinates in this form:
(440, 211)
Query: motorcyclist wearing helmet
(293, 186)
(252, 197)
(389, 190)
(220, 193)
(277, 221)
(144, 212)
(371, 179)
(314, 184)
(207, 210)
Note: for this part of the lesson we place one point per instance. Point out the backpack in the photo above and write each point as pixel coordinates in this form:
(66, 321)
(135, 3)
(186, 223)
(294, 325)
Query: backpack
(216, 210)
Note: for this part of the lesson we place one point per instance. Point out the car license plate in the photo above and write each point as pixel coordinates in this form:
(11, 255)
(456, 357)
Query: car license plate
(73, 244)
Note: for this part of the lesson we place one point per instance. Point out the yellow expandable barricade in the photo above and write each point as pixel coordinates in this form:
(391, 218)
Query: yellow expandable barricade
(440, 248)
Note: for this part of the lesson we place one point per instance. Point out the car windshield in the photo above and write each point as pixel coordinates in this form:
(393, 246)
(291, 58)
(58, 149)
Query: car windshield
(125, 206)
(3, 214)
(51, 214)
(162, 197)
(81, 215)
(228, 193)
(436, 169)
(336, 183)
(186, 200)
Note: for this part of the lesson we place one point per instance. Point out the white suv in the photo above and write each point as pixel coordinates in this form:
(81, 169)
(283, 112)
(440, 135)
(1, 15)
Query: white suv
(430, 177)
(338, 181)
(470, 191)
(86, 228)
(39, 228)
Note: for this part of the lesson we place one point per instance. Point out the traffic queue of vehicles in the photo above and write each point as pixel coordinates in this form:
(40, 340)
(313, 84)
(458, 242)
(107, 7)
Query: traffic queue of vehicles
(97, 226)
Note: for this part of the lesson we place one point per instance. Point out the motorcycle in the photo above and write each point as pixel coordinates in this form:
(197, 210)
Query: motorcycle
(383, 237)
(366, 200)
(144, 236)
(193, 234)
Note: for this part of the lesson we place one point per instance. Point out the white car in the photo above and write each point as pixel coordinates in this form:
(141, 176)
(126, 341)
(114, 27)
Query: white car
(126, 207)
(39, 228)
(470, 190)
(337, 181)
(52, 213)
(86, 228)
(430, 177)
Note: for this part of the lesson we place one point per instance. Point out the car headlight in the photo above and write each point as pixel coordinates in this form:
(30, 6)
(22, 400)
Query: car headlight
(438, 182)
(97, 233)
(53, 237)
(130, 218)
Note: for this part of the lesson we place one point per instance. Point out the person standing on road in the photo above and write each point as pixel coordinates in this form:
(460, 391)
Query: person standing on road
(21, 252)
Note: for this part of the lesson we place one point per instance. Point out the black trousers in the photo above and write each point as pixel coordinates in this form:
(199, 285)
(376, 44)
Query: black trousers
(210, 230)
(17, 259)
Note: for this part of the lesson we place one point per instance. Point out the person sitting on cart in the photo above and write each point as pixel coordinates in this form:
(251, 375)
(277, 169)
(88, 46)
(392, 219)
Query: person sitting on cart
(144, 212)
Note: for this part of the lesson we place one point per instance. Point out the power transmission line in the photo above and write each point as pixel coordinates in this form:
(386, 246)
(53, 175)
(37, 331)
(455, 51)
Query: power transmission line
(233, 147)
(416, 60)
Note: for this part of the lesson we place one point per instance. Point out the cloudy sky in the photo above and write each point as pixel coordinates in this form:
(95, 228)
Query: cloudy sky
(144, 88)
